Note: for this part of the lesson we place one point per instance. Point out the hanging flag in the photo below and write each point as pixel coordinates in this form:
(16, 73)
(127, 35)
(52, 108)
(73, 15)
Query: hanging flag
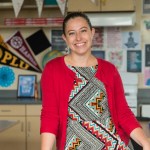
(62, 5)
(39, 4)
(2, 42)
(18, 43)
(38, 42)
(93, 1)
(9, 59)
(17, 5)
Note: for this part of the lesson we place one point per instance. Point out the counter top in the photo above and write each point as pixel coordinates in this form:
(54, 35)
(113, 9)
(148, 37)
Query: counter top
(19, 101)
(143, 118)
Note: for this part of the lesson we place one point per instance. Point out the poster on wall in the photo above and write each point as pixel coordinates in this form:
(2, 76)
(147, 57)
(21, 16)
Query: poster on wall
(57, 41)
(134, 61)
(147, 76)
(131, 40)
(98, 39)
(99, 53)
(146, 6)
(7, 76)
(114, 37)
(147, 55)
(26, 85)
(116, 57)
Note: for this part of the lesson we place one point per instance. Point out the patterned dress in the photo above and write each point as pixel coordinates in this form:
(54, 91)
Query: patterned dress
(90, 125)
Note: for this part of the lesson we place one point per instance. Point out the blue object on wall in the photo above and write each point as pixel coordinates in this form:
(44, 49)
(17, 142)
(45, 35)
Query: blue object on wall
(7, 76)
(50, 2)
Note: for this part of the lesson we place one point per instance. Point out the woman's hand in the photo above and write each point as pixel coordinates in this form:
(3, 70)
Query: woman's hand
(146, 146)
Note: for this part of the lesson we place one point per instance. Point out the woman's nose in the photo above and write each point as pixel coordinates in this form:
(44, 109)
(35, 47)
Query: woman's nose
(78, 36)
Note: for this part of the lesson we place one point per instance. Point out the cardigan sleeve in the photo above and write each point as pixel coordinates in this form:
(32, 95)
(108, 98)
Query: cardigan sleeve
(49, 113)
(127, 120)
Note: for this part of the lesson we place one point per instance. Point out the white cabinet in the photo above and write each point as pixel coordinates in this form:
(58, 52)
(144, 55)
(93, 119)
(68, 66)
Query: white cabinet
(33, 126)
(130, 83)
(12, 125)
(20, 127)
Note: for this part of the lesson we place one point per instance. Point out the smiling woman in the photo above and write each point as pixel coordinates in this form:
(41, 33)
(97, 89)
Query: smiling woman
(83, 100)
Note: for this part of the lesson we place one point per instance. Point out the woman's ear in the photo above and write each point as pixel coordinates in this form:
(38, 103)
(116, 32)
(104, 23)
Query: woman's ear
(93, 32)
(64, 37)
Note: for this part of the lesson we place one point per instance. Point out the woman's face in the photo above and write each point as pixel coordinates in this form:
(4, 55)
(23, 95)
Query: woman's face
(78, 35)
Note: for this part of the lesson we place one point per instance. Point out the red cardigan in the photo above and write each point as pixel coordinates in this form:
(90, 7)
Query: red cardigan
(57, 83)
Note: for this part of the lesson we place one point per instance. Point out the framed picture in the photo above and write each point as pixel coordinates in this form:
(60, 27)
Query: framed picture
(147, 55)
(146, 7)
(57, 41)
(134, 61)
(98, 54)
(26, 85)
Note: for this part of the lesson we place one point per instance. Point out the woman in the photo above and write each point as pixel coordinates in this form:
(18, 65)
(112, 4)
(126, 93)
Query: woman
(83, 101)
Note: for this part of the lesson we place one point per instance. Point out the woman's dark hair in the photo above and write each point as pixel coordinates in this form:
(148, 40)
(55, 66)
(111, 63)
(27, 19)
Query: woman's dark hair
(74, 15)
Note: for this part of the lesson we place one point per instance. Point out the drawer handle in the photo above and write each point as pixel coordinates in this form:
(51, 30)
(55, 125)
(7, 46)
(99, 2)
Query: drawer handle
(6, 110)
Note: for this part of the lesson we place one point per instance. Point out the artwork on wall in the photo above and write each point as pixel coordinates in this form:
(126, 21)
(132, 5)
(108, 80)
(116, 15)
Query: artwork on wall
(99, 53)
(57, 41)
(146, 6)
(147, 55)
(131, 40)
(7, 76)
(51, 55)
(147, 76)
(98, 39)
(26, 86)
(114, 38)
(134, 61)
(116, 58)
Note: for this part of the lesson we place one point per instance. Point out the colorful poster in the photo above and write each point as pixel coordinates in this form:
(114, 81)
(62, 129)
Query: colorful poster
(7, 76)
(114, 38)
(98, 39)
(134, 61)
(17, 4)
(147, 77)
(10, 59)
(116, 58)
(18, 43)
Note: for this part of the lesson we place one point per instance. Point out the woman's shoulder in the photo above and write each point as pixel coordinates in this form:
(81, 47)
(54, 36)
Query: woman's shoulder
(58, 61)
(105, 64)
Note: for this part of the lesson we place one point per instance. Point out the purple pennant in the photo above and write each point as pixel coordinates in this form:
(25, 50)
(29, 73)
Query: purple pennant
(18, 43)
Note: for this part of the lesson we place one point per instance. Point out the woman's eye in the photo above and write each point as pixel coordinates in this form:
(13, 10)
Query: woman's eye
(71, 33)
(83, 30)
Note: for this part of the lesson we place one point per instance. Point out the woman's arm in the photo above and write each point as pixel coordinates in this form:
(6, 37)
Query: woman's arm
(139, 137)
(47, 141)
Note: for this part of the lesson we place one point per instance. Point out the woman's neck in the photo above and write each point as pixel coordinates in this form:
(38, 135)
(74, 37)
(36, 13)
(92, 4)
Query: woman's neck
(80, 61)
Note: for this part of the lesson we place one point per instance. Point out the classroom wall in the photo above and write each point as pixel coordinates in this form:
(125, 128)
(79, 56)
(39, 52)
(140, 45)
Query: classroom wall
(51, 12)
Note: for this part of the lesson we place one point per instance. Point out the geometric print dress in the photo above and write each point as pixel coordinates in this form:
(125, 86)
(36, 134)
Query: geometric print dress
(89, 124)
